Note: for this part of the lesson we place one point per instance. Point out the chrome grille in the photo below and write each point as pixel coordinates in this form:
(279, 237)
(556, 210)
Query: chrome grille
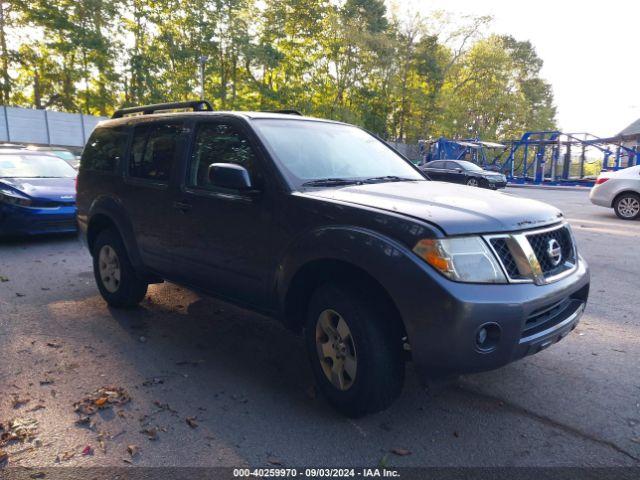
(508, 262)
(525, 256)
(540, 241)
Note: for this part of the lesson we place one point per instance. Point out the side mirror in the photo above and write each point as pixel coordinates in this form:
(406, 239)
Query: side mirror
(229, 175)
(459, 170)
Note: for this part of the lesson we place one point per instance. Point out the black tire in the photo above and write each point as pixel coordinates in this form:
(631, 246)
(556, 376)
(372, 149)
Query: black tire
(377, 341)
(623, 201)
(130, 289)
(474, 182)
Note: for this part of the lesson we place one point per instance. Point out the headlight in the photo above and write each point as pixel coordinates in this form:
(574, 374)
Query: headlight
(463, 259)
(13, 199)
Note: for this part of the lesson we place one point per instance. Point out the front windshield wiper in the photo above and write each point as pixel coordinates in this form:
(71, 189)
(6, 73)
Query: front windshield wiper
(326, 182)
(391, 178)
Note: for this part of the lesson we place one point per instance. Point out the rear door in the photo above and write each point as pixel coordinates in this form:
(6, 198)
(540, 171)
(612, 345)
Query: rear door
(225, 236)
(434, 170)
(154, 154)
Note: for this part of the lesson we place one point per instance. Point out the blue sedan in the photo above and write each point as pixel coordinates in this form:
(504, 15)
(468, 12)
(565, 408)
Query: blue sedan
(37, 193)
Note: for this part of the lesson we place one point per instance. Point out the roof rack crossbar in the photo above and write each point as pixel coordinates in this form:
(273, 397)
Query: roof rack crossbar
(286, 112)
(195, 105)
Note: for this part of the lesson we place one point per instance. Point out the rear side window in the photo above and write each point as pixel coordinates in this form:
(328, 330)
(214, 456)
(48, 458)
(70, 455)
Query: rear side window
(154, 151)
(435, 164)
(104, 150)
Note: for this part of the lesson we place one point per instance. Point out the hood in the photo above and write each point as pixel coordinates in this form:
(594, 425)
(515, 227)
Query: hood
(50, 189)
(456, 209)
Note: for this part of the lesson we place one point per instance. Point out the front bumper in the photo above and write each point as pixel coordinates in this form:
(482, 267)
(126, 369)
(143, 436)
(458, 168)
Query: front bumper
(496, 184)
(15, 220)
(443, 331)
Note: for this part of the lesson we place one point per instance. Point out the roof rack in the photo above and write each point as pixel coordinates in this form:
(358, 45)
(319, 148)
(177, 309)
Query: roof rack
(195, 105)
(286, 112)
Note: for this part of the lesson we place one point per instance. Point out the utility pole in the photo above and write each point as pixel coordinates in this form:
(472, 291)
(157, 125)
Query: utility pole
(203, 60)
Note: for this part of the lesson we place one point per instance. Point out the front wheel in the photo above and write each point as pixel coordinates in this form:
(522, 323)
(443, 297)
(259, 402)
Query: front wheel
(355, 350)
(116, 278)
(627, 206)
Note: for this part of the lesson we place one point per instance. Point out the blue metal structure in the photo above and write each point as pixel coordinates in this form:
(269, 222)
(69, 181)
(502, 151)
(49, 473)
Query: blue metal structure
(551, 157)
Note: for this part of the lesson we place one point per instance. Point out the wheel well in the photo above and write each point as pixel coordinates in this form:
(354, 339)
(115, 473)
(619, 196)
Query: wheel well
(315, 273)
(626, 192)
(98, 224)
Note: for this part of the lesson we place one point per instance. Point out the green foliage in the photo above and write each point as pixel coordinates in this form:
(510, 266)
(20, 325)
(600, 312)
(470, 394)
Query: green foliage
(349, 60)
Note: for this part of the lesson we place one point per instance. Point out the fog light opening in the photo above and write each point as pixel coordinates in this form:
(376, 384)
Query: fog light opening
(487, 337)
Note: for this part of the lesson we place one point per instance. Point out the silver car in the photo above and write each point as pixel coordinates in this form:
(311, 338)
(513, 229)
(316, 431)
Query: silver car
(619, 190)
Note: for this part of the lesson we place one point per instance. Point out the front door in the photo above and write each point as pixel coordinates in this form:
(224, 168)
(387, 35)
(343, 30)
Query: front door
(225, 235)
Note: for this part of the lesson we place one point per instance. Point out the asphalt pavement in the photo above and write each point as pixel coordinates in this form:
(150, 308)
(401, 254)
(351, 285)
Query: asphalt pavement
(209, 384)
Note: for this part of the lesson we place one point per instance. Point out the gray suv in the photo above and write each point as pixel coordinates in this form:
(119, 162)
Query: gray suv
(326, 228)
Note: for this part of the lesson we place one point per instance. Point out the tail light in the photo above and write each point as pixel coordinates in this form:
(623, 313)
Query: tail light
(601, 180)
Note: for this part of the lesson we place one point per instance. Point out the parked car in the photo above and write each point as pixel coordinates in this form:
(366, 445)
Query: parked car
(619, 190)
(37, 193)
(63, 153)
(325, 227)
(462, 171)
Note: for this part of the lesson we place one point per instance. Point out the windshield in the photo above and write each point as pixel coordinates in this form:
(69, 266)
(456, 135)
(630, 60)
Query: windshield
(34, 166)
(315, 153)
(469, 166)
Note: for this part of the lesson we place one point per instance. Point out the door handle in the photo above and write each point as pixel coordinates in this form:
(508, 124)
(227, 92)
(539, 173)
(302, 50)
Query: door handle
(182, 206)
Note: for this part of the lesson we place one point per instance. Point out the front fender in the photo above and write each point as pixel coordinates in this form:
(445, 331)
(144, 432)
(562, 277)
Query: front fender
(391, 263)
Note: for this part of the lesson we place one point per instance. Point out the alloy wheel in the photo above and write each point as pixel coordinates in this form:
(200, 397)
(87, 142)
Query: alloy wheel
(472, 182)
(629, 207)
(109, 266)
(336, 349)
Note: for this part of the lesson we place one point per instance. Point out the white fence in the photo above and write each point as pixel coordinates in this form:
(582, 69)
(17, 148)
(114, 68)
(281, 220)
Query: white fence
(45, 127)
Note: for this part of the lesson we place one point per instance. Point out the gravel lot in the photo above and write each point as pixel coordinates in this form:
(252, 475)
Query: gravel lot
(245, 382)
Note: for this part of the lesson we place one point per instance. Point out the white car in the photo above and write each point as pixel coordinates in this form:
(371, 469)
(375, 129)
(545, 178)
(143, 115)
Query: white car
(619, 190)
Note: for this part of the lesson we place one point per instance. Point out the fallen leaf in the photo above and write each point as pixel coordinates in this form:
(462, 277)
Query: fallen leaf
(152, 433)
(18, 402)
(20, 294)
(456, 434)
(37, 407)
(4, 457)
(88, 450)
(191, 421)
(46, 381)
(53, 345)
(274, 461)
(402, 452)
(38, 475)
(104, 397)
(3, 279)
(133, 450)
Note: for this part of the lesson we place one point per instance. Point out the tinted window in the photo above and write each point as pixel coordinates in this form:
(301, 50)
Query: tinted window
(154, 151)
(435, 164)
(104, 149)
(219, 143)
(470, 166)
(451, 166)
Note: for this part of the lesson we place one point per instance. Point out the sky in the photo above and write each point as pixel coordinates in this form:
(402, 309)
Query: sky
(591, 53)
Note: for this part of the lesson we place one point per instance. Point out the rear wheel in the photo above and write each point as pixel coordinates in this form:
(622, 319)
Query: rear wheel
(355, 350)
(473, 182)
(115, 276)
(627, 206)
